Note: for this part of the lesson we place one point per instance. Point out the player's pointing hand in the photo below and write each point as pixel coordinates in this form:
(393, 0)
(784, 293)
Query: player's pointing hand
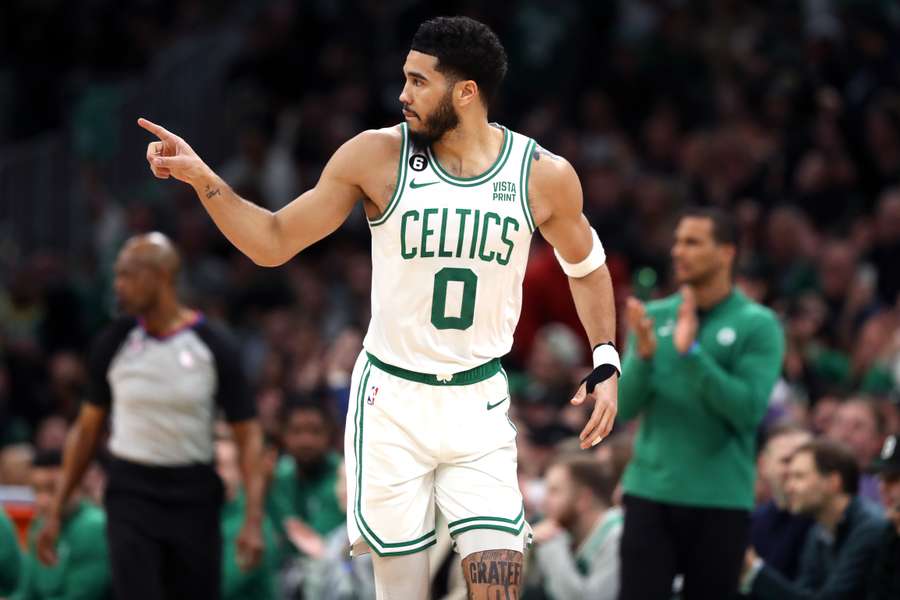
(171, 156)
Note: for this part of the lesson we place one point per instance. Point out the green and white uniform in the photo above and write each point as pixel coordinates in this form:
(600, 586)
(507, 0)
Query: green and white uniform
(427, 424)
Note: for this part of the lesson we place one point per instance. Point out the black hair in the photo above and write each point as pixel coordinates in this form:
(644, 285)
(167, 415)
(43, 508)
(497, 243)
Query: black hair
(834, 457)
(725, 230)
(317, 403)
(47, 459)
(465, 49)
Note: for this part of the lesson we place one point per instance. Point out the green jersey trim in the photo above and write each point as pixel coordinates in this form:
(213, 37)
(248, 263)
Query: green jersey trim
(524, 174)
(401, 180)
(473, 375)
(502, 157)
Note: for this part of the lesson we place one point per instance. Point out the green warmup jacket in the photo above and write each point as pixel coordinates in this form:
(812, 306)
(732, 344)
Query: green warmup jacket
(258, 584)
(312, 499)
(696, 445)
(82, 570)
(10, 561)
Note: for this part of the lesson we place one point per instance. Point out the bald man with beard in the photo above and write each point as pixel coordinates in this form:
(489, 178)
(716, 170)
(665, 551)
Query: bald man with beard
(162, 374)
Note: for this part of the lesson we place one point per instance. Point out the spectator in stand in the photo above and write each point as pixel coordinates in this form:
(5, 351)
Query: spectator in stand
(576, 552)
(885, 579)
(10, 560)
(82, 573)
(777, 534)
(822, 481)
(239, 583)
(302, 495)
(860, 425)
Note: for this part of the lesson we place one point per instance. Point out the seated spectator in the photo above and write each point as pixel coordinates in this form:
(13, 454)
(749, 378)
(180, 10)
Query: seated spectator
(860, 425)
(238, 583)
(776, 533)
(884, 583)
(577, 544)
(10, 561)
(331, 574)
(823, 482)
(303, 483)
(82, 568)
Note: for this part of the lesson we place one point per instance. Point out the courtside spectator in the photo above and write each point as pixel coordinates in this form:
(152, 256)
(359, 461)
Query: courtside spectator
(82, 571)
(823, 482)
(776, 533)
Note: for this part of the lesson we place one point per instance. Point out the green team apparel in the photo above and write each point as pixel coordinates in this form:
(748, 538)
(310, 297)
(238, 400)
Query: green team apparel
(237, 584)
(82, 570)
(699, 412)
(10, 560)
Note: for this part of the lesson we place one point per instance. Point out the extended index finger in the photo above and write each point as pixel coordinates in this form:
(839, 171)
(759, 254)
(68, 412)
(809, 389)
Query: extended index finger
(157, 130)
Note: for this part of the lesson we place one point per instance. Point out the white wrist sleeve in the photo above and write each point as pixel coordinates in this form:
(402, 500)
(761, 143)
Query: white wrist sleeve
(606, 354)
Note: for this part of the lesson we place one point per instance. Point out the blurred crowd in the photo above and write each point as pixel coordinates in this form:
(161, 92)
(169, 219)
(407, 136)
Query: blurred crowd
(787, 114)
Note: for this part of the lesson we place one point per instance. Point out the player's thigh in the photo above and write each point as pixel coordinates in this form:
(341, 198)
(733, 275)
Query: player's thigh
(402, 577)
(482, 502)
(390, 464)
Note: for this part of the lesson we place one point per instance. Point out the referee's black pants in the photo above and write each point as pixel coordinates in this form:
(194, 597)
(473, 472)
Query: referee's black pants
(163, 528)
(660, 540)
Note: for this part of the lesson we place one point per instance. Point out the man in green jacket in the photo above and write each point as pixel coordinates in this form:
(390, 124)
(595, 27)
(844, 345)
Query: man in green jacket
(698, 372)
(81, 571)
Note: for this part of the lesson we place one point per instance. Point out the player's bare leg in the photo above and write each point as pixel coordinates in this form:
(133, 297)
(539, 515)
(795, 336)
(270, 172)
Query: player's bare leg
(493, 574)
(405, 577)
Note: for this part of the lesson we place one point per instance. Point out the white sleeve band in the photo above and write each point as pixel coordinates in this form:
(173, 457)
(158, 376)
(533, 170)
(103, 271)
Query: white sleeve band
(606, 354)
(593, 261)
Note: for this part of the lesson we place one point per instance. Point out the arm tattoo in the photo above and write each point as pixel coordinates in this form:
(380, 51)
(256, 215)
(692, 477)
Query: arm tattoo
(494, 574)
(539, 152)
(210, 192)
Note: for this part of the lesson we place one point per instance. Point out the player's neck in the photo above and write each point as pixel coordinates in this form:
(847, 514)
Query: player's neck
(469, 149)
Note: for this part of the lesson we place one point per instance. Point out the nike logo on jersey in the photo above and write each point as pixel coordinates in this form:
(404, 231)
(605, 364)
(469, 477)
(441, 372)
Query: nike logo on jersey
(496, 404)
(415, 186)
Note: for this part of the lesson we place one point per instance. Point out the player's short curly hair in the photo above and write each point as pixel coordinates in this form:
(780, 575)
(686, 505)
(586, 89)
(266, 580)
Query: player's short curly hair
(465, 49)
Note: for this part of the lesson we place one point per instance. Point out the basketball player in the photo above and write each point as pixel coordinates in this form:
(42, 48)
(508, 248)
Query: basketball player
(452, 201)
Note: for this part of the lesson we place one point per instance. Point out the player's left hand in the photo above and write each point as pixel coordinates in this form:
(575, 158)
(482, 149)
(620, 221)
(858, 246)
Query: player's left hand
(603, 417)
(249, 546)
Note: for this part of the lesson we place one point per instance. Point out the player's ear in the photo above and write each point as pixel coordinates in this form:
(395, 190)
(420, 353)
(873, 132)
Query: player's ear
(466, 92)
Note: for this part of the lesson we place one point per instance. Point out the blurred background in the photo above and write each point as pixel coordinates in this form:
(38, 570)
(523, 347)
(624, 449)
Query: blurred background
(786, 113)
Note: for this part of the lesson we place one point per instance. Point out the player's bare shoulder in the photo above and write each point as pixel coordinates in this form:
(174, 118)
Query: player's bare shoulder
(372, 156)
(553, 185)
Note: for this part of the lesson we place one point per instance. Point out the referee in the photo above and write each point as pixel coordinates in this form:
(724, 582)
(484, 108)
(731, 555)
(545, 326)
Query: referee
(700, 367)
(161, 374)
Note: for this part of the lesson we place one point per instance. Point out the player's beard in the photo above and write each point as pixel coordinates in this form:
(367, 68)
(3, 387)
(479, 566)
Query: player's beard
(443, 119)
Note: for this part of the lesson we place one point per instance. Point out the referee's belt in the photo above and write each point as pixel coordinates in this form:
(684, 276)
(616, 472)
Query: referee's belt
(468, 377)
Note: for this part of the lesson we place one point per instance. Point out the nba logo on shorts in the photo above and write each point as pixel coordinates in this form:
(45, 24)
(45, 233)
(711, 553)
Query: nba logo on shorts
(373, 392)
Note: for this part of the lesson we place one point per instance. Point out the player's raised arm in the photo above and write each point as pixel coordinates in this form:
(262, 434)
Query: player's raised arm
(556, 198)
(267, 238)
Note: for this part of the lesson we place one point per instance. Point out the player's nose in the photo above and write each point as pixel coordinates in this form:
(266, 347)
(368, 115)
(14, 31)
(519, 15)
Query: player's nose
(405, 98)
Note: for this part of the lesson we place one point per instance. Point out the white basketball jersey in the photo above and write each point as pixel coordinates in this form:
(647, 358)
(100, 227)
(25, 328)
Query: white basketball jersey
(448, 259)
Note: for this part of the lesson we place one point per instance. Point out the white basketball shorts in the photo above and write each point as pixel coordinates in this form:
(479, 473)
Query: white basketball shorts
(414, 443)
